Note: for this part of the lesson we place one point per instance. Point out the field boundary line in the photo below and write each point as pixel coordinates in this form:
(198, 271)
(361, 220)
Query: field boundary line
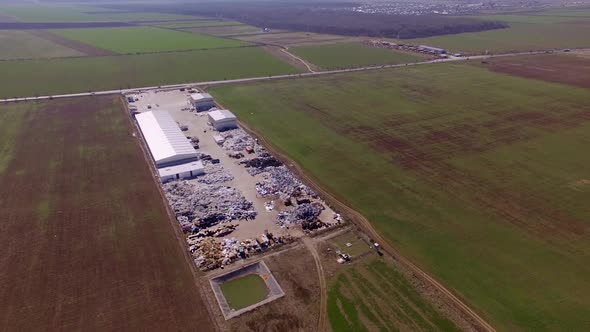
(358, 219)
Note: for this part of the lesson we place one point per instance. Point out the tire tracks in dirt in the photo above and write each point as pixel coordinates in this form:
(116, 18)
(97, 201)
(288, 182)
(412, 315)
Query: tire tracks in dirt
(479, 323)
(311, 246)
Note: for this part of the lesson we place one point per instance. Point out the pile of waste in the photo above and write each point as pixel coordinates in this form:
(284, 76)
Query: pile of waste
(214, 174)
(206, 205)
(281, 181)
(220, 231)
(259, 163)
(307, 212)
(211, 254)
(237, 140)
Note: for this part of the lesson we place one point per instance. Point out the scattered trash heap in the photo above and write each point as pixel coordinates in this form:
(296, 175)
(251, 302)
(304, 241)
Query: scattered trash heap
(205, 206)
(300, 205)
(210, 254)
(200, 205)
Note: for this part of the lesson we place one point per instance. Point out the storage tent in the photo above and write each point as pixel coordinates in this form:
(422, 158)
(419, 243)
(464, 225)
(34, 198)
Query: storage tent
(166, 142)
(202, 101)
(222, 120)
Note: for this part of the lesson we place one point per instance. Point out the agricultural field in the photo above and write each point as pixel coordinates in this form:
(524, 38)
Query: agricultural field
(196, 24)
(88, 244)
(144, 39)
(526, 32)
(15, 44)
(296, 38)
(373, 296)
(77, 13)
(573, 69)
(29, 78)
(347, 55)
(476, 176)
(226, 30)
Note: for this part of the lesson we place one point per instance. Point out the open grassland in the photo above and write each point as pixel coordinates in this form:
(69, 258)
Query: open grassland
(87, 243)
(518, 37)
(346, 55)
(30, 78)
(373, 296)
(16, 44)
(144, 39)
(478, 177)
(78, 13)
(571, 69)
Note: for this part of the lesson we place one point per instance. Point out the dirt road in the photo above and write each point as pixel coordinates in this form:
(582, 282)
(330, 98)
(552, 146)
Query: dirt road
(322, 320)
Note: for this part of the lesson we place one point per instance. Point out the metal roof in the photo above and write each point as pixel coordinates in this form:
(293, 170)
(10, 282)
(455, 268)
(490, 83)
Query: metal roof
(222, 115)
(182, 168)
(164, 138)
(201, 97)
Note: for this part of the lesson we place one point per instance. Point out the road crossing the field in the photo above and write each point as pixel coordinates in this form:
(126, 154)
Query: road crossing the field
(266, 78)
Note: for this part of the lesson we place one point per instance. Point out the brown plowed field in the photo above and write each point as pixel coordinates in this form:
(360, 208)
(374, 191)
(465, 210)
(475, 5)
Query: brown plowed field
(73, 44)
(87, 244)
(568, 69)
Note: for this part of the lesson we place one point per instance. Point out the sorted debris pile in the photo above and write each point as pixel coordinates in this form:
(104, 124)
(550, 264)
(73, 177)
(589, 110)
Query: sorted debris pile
(214, 174)
(307, 212)
(281, 181)
(205, 205)
(237, 140)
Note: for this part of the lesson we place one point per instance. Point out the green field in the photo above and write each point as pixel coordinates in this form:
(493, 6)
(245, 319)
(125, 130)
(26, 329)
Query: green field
(144, 39)
(346, 55)
(77, 13)
(376, 295)
(478, 177)
(358, 246)
(195, 24)
(526, 32)
(229, 30)
(244, 291)
(15, 44)
(30, 78)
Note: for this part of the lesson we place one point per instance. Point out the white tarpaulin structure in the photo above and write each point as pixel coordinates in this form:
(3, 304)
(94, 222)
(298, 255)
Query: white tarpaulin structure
(202, 101)
(222, 120)
(168, 145)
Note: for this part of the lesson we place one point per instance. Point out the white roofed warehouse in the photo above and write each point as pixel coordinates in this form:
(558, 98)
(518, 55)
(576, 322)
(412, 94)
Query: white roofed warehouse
(173, 154)
(202, 101)
(223, 120)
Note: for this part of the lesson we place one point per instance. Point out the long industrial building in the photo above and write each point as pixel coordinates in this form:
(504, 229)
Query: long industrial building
(173, 154)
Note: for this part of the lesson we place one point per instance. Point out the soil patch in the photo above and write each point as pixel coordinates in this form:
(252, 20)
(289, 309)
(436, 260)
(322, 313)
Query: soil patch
(88, 242)
(566, 69)
(73, 44)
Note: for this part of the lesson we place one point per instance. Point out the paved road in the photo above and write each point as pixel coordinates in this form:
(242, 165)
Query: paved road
(264, 78)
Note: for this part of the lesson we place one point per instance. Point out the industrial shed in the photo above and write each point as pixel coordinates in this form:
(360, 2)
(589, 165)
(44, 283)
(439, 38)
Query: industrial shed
(202, 101)
(182, 171)
(167, 143)
(222, 120)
